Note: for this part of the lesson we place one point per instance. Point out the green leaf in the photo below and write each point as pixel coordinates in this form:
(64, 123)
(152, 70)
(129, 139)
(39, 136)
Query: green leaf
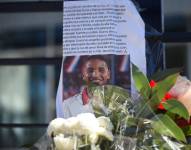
(187, 130)
(154, 101)
(176, 107)
(144, 110)
(165, 85)
(166, 126)
(147, 106)
(145, 92)
(132, 121)
(173, 116)
(141, 81)
(160, 75)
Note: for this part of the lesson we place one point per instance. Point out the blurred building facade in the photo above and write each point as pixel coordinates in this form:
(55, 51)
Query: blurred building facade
(177, 18)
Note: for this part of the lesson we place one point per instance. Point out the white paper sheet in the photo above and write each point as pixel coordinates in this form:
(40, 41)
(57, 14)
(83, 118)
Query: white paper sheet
(100, 27)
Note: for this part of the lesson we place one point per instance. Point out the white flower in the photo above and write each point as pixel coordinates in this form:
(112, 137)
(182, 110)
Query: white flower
(105, 133)
(93, 138)
(87, 123)
(105, 122)
(56, 126)
(62, 143)
(95, 147)
(72, 125)
(83, 124)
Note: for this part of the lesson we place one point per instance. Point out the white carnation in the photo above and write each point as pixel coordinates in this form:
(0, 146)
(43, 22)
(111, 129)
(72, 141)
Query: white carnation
(82, 124)
(93, 138)
(73, 125)
(62, 143)
(105, 133)
(56, 126)
(87, 123)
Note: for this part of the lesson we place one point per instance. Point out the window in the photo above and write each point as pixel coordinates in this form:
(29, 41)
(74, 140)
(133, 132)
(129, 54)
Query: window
(30, 62)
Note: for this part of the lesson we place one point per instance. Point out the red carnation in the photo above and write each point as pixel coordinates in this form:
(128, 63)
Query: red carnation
(181, 122)
(166, 97)
(152, 83)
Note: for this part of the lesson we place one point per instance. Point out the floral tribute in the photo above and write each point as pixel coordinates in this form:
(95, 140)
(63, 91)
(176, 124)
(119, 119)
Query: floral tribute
(122, 120)
(66, 132)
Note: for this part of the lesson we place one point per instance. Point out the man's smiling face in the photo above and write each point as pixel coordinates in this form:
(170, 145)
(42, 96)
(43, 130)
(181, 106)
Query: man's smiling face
(96, 71)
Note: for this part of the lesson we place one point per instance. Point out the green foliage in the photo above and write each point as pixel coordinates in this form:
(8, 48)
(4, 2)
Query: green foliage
(154, 101)
(164, 125)
(176, 107)
(165, 85)
(160, 75)
(141, 81)
(187, 130)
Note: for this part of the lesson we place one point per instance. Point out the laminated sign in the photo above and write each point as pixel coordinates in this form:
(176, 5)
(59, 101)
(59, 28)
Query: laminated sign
(101, 38)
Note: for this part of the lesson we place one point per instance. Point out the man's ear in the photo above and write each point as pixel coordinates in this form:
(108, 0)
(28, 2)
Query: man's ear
(83, 77)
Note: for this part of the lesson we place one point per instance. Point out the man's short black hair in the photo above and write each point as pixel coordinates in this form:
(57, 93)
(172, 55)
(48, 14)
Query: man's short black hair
(99, 57)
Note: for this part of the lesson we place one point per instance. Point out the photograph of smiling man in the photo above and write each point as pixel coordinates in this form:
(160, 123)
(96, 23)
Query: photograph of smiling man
(96, 69)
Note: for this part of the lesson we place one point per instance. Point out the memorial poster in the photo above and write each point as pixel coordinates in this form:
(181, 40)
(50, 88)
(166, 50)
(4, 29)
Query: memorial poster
(112, 33)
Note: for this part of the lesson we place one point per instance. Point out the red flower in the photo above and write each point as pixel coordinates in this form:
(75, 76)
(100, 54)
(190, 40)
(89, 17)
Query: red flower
(166, 97)
(181, 122)
(160, 106)
(152, 83)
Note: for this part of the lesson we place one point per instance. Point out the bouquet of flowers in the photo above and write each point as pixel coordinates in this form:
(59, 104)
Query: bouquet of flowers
(125, 121)
(80, 131)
